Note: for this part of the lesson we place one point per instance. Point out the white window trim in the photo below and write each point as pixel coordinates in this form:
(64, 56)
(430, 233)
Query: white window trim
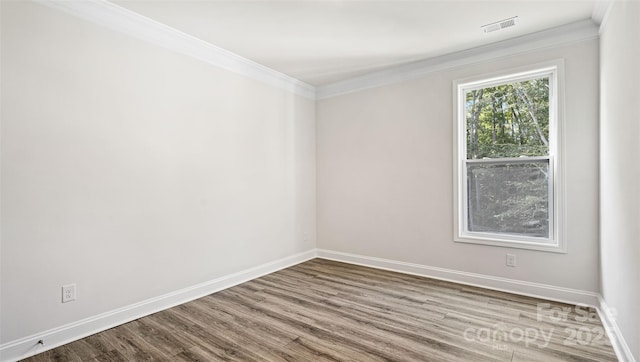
(557, 241)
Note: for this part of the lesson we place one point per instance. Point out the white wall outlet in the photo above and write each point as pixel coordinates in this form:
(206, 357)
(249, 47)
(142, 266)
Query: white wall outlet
(511, 260)
(68, 293)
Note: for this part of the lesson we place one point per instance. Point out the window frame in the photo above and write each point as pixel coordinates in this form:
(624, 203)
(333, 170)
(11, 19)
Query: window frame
(557, 240)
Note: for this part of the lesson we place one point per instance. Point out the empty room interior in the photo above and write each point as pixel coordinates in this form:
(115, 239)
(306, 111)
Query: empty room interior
(320, 180)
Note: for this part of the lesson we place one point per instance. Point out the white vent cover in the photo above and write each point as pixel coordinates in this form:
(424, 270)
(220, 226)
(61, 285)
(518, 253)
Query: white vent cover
(499, 25)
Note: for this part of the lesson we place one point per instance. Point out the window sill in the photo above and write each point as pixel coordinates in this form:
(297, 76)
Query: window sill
(506, 243)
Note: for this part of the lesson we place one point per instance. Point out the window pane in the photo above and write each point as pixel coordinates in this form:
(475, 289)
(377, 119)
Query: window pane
(509, 198)
(508, 120)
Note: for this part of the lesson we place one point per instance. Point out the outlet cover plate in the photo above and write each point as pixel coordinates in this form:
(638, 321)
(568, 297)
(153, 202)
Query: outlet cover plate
(68, 293)
(511, 260)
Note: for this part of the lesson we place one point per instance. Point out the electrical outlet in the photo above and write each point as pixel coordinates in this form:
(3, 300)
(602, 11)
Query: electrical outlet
(68, 293)
(511, 260)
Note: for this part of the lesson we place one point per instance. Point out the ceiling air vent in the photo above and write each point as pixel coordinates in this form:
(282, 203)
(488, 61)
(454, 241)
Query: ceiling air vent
(499, 25)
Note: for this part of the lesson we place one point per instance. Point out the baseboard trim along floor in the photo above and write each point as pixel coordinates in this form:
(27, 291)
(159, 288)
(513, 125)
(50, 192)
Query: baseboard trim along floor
(29, 346)
(332, 311)
(536, 290)
(543, 291)
(618, 342)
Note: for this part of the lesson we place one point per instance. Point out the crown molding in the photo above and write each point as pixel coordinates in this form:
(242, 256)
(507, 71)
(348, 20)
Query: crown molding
(120, 19)
(117, 18)
(566, 34)
(600, 11)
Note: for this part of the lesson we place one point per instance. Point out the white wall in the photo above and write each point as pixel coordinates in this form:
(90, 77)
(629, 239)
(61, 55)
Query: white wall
(619, 167)
(385, 186)
(134, 171)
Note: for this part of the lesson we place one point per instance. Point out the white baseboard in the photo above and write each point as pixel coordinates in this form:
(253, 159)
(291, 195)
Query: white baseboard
(28, 346)
(544, 291)
(618, 342)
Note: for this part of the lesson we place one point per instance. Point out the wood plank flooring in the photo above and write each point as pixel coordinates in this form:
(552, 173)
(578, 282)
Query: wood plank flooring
(322, 310)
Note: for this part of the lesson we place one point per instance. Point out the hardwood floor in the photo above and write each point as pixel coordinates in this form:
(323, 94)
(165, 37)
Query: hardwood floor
(322, 310)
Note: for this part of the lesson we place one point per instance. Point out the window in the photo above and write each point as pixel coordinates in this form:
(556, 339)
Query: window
(507, 159)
